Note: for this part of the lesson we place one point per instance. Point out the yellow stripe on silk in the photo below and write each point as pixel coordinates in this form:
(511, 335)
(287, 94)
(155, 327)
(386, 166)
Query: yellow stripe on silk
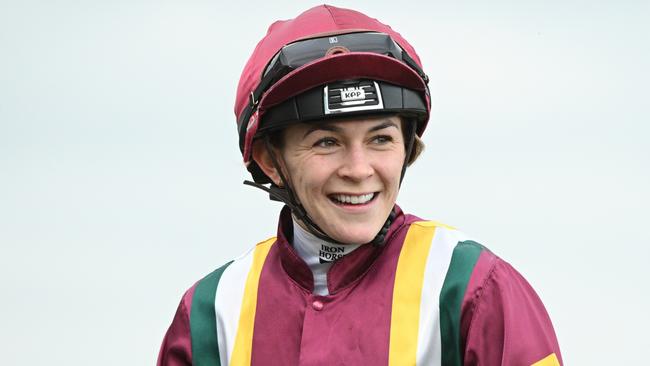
(440, 224)
(407, 293)
(550, 360)
(241, 354)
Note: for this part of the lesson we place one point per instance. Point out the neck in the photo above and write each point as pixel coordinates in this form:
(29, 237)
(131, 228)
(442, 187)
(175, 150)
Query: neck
(319, 254)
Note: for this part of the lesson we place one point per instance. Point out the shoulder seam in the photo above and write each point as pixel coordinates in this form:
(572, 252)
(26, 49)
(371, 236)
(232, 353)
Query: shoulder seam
(479, 294)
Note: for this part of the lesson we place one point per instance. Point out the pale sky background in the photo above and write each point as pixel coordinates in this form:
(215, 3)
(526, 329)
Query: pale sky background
(120, 175)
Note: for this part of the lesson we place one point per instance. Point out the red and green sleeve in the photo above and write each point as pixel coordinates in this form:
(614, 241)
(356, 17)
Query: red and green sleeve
(503, 321)
(192, 337)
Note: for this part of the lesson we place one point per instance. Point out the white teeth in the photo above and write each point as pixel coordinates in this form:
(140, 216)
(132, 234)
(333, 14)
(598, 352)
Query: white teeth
(355, 200)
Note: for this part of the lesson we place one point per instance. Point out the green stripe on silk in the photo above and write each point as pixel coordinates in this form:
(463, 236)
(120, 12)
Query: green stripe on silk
(203, 320)
(462, 264)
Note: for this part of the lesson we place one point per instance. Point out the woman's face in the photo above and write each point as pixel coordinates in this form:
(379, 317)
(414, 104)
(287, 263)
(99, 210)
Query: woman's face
(346, 173)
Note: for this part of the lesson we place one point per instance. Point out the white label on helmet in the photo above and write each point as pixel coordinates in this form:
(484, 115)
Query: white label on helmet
(345, 98)
(352, 93)
(334, 40)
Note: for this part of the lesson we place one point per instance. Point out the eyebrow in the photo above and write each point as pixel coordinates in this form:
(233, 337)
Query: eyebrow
(332, 128)
(386, 124)
(322, 127)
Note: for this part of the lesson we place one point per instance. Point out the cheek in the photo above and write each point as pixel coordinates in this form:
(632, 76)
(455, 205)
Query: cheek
(310, 177)
(391, 169)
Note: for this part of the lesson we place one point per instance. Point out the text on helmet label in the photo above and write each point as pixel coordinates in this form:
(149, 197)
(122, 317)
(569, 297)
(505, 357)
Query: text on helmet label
(352, 93)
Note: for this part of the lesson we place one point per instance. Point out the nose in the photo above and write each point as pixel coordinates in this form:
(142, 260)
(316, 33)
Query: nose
(356, 164)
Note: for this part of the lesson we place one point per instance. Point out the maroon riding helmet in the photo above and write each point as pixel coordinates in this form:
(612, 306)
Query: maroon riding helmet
(327, 63)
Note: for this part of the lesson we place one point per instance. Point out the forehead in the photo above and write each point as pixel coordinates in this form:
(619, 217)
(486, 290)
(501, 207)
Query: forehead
(363, 124)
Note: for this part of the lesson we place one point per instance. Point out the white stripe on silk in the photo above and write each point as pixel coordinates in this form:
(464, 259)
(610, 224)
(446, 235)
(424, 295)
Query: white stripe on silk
(438, 260)
(228, 300)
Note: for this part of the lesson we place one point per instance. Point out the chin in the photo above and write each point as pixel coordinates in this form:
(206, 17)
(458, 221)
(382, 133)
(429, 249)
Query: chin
(361, 236)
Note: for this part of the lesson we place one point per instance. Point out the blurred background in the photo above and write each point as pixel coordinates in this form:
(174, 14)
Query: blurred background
(121, 178)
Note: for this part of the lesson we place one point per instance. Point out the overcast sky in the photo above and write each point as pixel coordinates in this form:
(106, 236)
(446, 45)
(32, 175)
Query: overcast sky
(120, 175)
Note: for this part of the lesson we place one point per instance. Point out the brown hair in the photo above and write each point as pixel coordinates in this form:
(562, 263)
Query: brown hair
(418, 148)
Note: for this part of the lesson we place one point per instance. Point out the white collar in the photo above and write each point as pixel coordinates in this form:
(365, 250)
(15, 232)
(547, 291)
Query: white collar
(319, 255)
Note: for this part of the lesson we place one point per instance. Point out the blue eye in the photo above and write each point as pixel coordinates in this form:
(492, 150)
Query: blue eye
(325, 142)
(382, 139)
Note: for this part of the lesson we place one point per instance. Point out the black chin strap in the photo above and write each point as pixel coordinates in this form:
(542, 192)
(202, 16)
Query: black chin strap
(286, 194)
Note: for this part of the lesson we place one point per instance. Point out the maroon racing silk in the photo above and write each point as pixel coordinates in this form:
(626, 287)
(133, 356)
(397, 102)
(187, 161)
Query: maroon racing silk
(487, 315)
(503, 319)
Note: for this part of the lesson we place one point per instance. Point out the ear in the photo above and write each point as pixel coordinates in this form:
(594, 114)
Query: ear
(262, 157)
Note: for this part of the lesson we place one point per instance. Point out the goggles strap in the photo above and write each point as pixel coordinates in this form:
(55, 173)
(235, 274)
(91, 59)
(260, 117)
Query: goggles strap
(278, 168)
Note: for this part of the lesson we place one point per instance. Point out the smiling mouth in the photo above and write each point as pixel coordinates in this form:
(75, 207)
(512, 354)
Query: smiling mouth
(346, 199)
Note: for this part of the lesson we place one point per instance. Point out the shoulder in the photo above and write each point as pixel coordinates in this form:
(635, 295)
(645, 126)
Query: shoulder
(205, 288)
(472, 270)
(469, 268)
(502, 317)
(464, 265)
(488, 311)
(459, 263)
(460, 251)
(200, 297)
(193, 333)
